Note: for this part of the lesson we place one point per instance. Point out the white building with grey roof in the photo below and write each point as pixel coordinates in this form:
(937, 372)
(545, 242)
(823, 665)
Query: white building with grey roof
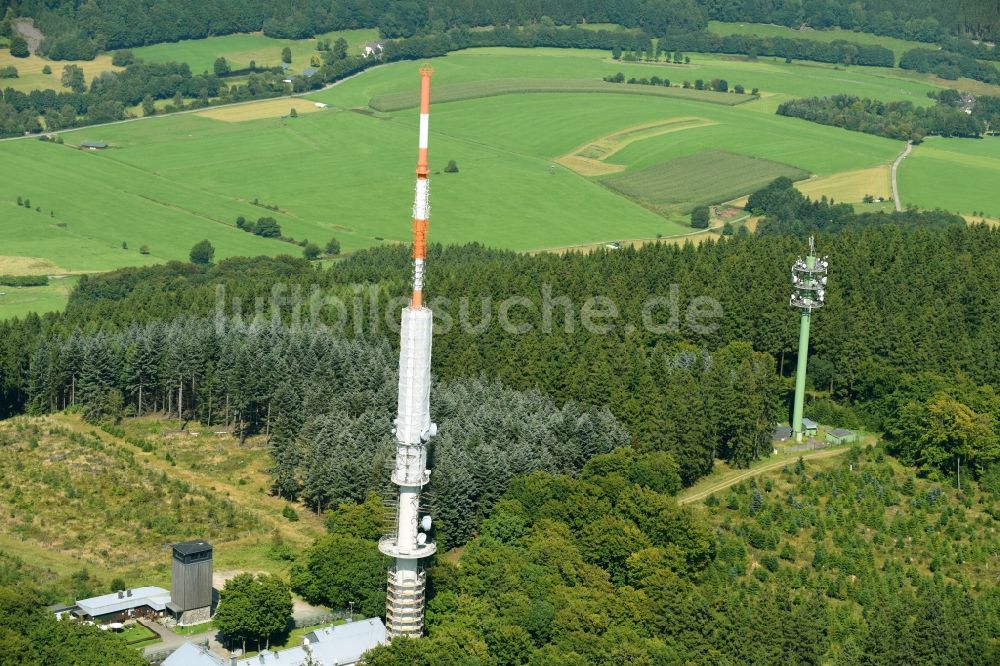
(341, 645)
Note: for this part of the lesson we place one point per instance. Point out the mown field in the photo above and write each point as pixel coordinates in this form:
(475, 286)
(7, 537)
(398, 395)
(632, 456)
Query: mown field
(960, 175)
(170, 181)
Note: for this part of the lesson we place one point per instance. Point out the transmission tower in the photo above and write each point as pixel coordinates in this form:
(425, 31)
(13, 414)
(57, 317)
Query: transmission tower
(409, 543)
(808, 294)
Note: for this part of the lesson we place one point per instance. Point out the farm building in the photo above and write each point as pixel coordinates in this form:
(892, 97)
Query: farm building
(93, 145)
(841, 436)
(809, 427)
(122, 605)
(309, 71)
(342, 645)
(191, 582)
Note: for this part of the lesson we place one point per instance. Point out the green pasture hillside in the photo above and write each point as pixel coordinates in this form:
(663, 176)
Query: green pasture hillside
(346, 171)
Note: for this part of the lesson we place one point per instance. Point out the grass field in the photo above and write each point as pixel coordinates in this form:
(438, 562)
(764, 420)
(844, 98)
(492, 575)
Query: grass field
(200, 54)
(170, 181)
(19, 301)
(240, 49)
(897, 46)
(710, 177)
(959, 175)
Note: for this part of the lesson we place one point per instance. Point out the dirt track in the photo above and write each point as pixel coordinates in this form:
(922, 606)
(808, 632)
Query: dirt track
(895, 167)
(750, 473)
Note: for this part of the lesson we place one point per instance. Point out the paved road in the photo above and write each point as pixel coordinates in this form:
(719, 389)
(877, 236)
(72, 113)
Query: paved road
(750, 473)
(172, 641)
(895, 167)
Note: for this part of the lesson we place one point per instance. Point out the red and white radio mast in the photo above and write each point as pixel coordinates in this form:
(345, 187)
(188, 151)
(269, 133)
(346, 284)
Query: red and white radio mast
(409, 544)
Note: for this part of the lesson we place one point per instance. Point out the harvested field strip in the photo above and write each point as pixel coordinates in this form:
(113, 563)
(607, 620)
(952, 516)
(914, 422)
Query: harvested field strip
(29, 266)
(463, 91)
(272, 108)
(850, 186)
(709, 177)
(589, 159)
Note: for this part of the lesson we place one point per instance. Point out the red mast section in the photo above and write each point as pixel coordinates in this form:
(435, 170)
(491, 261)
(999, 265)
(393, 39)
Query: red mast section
(421, 205)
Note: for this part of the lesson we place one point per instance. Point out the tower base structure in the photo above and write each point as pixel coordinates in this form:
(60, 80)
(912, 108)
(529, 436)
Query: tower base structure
(408, 545)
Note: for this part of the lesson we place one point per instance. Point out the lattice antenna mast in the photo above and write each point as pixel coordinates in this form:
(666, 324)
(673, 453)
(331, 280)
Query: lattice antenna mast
(408, 544)
(808, 293)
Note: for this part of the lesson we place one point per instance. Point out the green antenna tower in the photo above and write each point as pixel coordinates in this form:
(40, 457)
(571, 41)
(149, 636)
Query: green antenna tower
(808, 294)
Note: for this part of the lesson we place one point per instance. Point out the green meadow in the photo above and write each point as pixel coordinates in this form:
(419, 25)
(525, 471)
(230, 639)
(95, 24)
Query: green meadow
(19, 301)
(347, 171)
(959, 175)
(240, 49)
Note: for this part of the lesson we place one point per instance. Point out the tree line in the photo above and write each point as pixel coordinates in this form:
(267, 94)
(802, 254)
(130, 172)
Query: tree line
(787, 211)
(106, 99)
(949, 65)
(902, 301)
(326, 405)
(110, 93)
(83, 30)
(838, 51)
(895, 120)
(919, 20)
(109, 25)
(32, 635)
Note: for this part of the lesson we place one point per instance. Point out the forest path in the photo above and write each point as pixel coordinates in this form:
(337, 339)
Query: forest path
(733, 477)
(895, 167)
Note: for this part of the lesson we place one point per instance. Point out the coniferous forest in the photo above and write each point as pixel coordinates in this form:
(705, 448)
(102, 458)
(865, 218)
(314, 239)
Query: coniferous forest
(565, 435)
(76, 29)
(580, 397)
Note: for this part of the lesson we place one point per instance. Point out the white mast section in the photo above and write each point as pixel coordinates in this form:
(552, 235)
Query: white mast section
(407, 582)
